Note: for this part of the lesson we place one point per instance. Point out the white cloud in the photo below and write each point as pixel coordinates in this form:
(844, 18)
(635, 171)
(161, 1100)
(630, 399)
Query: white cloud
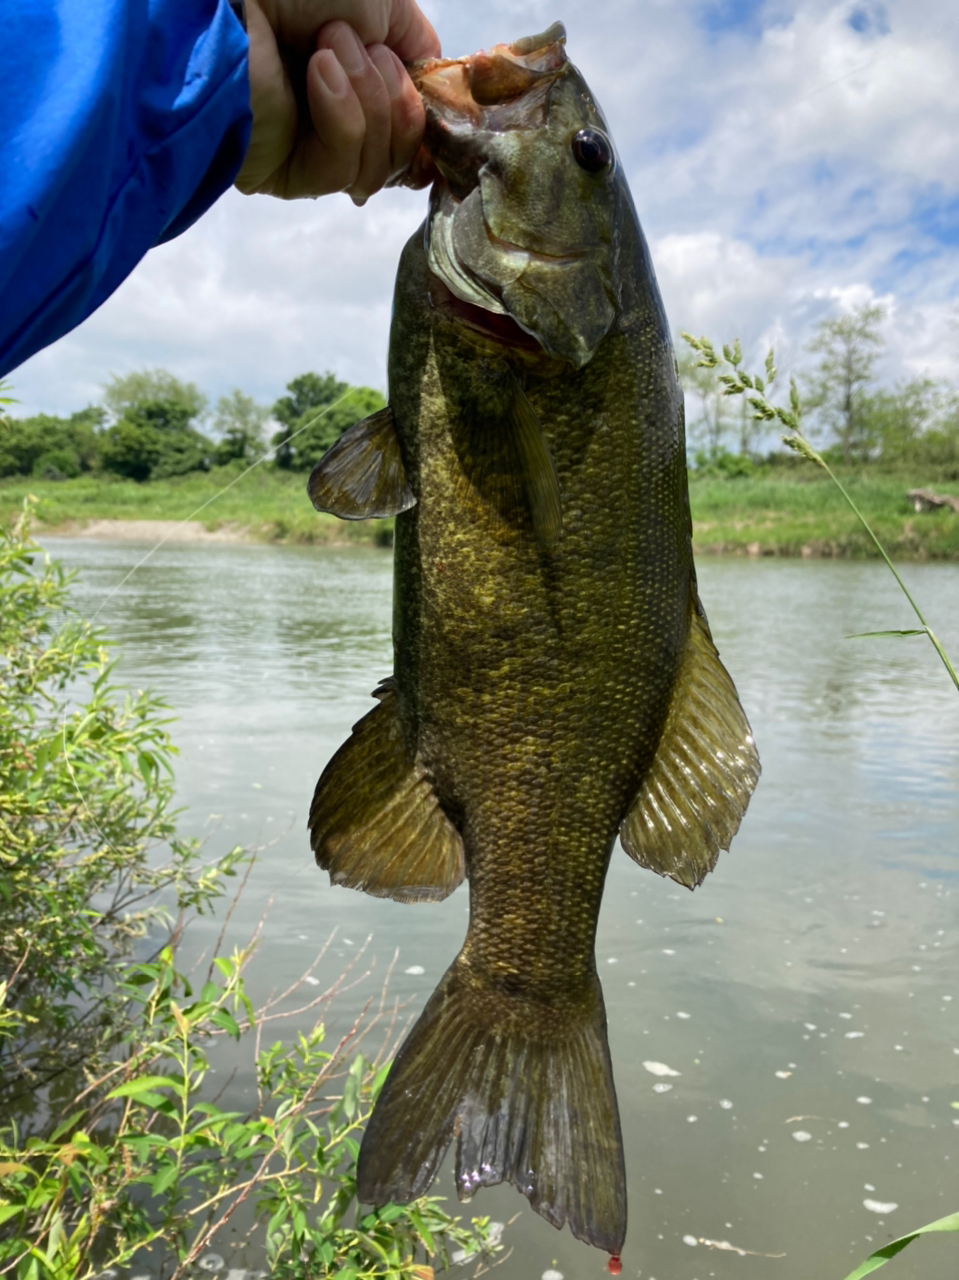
(778, 169)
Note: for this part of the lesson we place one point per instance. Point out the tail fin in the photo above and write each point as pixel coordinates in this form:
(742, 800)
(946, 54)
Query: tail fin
(535, 1108)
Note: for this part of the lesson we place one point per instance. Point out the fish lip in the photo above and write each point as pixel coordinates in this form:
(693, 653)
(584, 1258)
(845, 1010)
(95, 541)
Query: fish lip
(490, 79)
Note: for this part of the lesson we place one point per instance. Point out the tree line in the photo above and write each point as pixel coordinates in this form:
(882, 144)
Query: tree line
(914, 424)
(151, 425)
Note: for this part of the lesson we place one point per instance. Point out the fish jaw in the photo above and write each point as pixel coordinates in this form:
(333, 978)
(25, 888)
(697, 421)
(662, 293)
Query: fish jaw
(516, 225)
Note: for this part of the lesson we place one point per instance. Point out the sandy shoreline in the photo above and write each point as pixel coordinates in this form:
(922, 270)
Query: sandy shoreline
(149, 531)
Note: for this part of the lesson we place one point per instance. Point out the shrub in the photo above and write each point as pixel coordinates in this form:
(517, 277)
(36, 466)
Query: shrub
(109, 1146)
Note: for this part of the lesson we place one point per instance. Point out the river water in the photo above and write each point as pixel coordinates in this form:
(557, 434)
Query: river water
(807, 994)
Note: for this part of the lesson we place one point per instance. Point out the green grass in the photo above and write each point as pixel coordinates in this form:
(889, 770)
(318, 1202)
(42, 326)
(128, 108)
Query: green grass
(788, 510)
(798, 511)
(266, 505)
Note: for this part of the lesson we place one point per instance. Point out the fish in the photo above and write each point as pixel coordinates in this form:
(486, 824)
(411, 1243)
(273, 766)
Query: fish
(555, 682)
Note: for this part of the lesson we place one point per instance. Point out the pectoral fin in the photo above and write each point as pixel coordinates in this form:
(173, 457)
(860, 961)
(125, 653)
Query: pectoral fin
(540, 481)
(505, 459)
(706, 767)
(375, 822)
(362, 475)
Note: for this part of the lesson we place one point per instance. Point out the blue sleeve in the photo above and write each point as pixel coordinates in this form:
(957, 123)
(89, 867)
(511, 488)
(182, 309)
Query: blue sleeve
(121, 121)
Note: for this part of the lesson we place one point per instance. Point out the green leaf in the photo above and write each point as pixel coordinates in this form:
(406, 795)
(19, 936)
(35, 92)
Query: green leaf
(379, 1080)
(67, 1124)
(164, 1179)
(390, 1212)
(865, 635)
(882, 1256)
(225, 1020)
(143, 1084)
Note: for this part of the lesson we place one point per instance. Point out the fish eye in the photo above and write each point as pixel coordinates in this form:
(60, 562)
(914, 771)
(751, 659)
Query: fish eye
(591, 151)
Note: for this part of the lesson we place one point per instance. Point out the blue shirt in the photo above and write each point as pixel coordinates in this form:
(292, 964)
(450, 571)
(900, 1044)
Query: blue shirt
(121, 121)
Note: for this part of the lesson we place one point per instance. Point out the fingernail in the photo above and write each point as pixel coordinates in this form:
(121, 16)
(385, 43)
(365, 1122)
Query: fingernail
(332, 74)
(349, 50)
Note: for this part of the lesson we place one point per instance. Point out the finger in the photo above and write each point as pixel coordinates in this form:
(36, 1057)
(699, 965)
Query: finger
(374, 95)
(401, 24)
(411, 35)
(327, 156)
(407, 116)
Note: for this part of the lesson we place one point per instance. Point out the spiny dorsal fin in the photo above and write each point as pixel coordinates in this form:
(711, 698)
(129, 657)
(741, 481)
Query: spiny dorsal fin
(362, 475)
(375, 822)
(540, 481)
(695, 794)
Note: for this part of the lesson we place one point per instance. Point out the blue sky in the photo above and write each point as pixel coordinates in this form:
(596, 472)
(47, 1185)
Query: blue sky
(786, 159)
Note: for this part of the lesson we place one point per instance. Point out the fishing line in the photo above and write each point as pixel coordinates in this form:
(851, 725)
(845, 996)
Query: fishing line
(219, 494)
(140, 563)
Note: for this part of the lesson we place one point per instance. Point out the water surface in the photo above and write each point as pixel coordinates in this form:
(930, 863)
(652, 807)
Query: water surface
(807, 993)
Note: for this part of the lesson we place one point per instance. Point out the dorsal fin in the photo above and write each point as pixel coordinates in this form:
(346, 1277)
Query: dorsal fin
(694, 796)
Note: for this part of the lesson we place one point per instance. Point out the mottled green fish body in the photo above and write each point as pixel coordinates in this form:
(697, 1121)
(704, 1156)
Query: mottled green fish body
(555, 682)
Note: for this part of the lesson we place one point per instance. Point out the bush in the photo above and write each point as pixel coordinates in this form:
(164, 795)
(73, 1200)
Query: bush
(721, 462)
(44, 445)
(150, 1164)
(108, 1145)
(86, 796)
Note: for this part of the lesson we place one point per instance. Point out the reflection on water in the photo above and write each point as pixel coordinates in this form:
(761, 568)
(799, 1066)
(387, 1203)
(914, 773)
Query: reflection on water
(806, 995)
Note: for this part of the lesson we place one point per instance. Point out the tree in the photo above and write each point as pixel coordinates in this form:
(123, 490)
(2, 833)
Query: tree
(49, 447)
(916, 424)
(124, 396)
(315, 414)
(154, 433)
(849, 345)
(239, 423)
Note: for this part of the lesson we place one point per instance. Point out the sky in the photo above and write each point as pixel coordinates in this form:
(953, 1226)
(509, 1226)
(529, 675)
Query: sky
(787, 160)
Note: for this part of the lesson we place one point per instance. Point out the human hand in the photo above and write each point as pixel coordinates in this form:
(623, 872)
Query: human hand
(333, 107)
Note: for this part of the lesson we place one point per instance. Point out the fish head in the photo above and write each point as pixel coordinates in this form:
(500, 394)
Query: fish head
(526, 210)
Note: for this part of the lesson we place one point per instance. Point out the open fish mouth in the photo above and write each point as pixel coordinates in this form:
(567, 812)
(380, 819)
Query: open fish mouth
(514, 222)
(472, 84)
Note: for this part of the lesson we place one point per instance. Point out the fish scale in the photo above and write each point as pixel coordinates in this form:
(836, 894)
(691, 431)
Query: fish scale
(554, 679)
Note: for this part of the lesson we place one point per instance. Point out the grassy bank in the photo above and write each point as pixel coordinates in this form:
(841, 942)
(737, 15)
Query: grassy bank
(265, 506)
(790, 511)
(798, 511)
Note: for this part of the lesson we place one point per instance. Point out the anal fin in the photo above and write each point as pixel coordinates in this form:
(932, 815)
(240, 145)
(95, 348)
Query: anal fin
(695, 794)
(375, 822)
(362, 475)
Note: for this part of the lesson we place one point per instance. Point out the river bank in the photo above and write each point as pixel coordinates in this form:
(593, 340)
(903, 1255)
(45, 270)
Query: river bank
(775, 512)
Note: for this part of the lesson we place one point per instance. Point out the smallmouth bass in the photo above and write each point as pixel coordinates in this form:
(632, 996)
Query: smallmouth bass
(555, 682)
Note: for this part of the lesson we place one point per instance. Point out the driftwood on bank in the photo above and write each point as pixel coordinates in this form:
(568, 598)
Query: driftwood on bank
(926, 500)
